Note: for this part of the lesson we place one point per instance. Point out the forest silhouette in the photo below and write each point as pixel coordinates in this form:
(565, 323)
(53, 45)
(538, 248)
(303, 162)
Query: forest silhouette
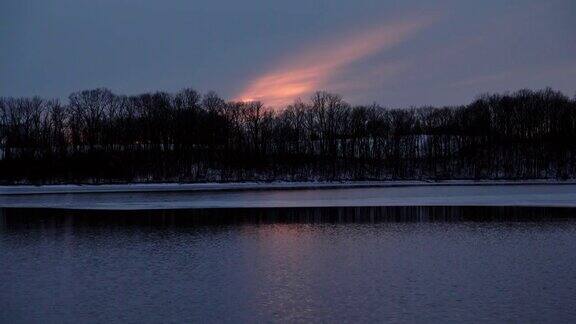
(101, 137)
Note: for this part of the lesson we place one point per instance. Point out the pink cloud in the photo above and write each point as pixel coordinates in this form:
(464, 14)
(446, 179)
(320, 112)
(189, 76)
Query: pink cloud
(313, 68)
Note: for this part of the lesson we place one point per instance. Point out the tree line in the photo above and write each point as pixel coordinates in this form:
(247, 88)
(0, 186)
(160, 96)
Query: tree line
(99, 136)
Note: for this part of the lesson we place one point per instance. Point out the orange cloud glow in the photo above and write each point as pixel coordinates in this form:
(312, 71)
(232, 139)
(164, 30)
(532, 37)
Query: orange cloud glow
(312, 69)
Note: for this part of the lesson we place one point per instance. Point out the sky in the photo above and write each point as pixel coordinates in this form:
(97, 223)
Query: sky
(395, 53)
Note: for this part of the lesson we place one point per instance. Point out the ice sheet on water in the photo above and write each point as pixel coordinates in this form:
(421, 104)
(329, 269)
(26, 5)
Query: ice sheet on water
(283, 194)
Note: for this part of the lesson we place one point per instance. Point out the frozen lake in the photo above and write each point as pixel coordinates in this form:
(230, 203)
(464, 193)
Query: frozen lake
(142, 197)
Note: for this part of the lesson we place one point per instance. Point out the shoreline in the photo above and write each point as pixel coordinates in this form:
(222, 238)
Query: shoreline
(52, 189)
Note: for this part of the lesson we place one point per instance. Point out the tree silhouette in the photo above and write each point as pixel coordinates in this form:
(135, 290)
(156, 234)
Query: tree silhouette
(99, 136)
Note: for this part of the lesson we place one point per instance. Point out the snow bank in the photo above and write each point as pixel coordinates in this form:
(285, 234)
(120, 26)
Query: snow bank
(240, 186)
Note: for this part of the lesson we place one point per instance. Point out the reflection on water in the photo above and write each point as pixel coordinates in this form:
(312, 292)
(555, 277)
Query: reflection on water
(14, 218)
(400, 264)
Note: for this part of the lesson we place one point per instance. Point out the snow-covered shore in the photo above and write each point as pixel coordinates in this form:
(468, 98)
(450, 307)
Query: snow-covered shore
(285, 194)
(252, 186)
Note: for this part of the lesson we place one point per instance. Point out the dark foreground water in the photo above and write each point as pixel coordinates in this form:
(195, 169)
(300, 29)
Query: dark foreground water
(396, 264)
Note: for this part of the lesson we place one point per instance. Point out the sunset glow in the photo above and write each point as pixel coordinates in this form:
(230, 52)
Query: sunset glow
(299, 75)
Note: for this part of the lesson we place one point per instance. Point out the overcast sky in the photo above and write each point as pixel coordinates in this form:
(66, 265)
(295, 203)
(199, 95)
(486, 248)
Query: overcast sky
(396, 53)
